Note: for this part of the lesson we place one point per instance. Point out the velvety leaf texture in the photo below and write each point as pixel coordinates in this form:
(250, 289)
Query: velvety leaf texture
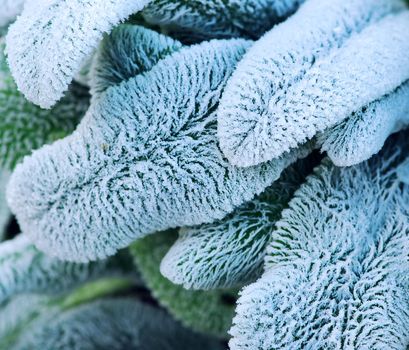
(225, 18)
(336, 268)
(357, 138)
(101, 325)
(208, 312)
(298, 79)
(24, 269)
(25, 126)
(230, 252)
(52, 38)
(129, 50)
(145, 158)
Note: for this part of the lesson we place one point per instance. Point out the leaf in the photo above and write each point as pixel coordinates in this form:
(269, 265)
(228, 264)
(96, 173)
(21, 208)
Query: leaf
(358, 137)
(24, 126)
(209, 312)
(5, 214)
(337, 265)
(114, 324)
(311, 72)
(128, 51)
(24, 269)
(230, 252)
(403, 171)
(222, 19)
(145, 158)
(48, 43)
(10, 9)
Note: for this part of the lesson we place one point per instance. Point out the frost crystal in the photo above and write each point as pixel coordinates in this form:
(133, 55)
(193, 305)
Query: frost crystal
(357, 138)
(230, 252)
(24, 269)
(145, 158)
(48, 43)
(298, 79)
(128, 51)
(24, 126)
(227, 18)
(337, 266)
(208, 312)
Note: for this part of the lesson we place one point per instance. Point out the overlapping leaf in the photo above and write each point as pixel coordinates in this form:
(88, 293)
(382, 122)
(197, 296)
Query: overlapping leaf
(145, 158)
(129, 50)
(337, 265)
(363, 134)
(227, 18)
(209, 312)
(50, 41)
(230, 252)
(311, 72)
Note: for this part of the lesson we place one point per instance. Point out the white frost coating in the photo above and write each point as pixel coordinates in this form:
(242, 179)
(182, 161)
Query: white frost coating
(299, 79)
(128, 51)
(363, 134)
(5, 214)
(24, 269)
(145, 158)
(230, 252)
(225, 18)
(9, 10)
(337, 266)
(48, 43)
(114, 324)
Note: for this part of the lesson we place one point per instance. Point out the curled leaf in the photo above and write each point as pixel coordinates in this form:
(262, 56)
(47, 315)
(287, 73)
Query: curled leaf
(49, 42)
(311, 72)
(337, 265)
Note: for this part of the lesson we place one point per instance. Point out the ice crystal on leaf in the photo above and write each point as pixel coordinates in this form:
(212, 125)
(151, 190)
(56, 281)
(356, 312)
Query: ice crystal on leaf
(311, 72)
(227, 18)
(337, 265)
(208, 312)
(230, 252)
(50, 41)
(144, 158)
(363, 134)
(129, 50)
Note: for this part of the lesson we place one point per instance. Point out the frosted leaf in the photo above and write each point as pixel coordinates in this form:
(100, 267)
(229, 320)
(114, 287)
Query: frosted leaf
(5, 214)
(209, 312)
(310, 73)
(337, 266)
(24, 269)
(115, 324)
(128, 51)
(230, 252)
(145, 158)
(24, 126)
(403, 171)
(10, 9)
(248, 18)
(16, 314)
(51, 39)
(363, 134)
